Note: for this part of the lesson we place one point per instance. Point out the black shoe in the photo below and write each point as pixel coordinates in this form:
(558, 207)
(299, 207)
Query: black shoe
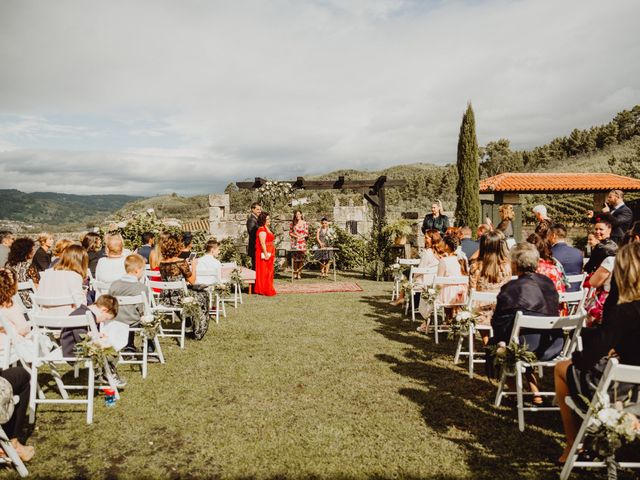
(130, 349)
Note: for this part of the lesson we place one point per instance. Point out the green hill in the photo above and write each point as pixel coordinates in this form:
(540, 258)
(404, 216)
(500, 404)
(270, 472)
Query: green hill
(58, 209)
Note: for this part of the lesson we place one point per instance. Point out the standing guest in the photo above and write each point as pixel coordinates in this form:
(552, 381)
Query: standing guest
(65, 279)
(92, 243)
(570, 258)
(265, 257)
(435, 220)
(111, 268)
(42, 257)
(547, 264)
(20, 260)
(6, 239)
(506, 223)
(532, 294)
(605, 247)
(323, 241)
(148, 239)
(540, 212)
(620, 215)
(187, 245)
(252, 228)
(57, 250)
(467, 244)
(208, 268)
(489, 273)
(172, 269)
(298, 233)
(618, 335)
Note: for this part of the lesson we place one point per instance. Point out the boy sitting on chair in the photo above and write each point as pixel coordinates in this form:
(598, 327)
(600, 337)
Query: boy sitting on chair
(130, 286)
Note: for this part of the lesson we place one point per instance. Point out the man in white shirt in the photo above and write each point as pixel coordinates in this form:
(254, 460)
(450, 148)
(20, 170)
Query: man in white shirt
(6, 240)
(111, 267)
(208, 267)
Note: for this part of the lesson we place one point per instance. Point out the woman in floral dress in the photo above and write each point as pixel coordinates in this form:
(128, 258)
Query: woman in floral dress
(20, 260)
(299, 232)
(173, 269)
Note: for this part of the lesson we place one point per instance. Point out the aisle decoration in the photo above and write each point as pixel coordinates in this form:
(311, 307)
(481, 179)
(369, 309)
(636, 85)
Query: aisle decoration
(150, 324)
(611, 426)
(506, 356)
(396, 272)
(235, 278)
(429, 294)
(460, 324)
(96, 347)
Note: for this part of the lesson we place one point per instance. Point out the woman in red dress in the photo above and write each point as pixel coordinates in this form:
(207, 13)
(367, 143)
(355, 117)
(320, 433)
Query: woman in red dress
(265, 257)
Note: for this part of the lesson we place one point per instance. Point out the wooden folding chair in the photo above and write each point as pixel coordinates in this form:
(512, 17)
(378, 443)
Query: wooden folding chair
(614, 372)
(572, 324)
(475, 297)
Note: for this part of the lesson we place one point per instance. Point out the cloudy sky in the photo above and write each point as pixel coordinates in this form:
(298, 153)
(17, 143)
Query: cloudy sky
(145, 97)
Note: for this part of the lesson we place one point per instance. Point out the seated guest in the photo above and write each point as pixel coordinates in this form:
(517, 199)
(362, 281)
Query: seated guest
(148, 239)
(65, 280)
(547, 265)
(42, 257)
(20, 380)
(468, 245)
(130, 285)
(569, 257)
(619, 335)
(489, 273)
(605, 247)
(6, 239)
(92, 243)
(58, 249)
(172, 269)
(506, 220)
(429, 257)
(111, 268)
(208, 268)
(10, 308)
(592, 241)
(532, 294)
(448, 266)
(20, 260)
(481, 230)
(187, 245)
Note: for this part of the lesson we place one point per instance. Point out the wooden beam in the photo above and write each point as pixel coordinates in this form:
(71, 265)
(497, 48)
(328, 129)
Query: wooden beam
(339, 184)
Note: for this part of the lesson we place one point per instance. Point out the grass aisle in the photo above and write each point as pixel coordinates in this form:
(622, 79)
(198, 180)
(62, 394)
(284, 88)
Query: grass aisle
(296, 386)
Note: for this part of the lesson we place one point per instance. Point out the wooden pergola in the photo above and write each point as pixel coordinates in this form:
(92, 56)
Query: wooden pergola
(373, 190)
(506, 188)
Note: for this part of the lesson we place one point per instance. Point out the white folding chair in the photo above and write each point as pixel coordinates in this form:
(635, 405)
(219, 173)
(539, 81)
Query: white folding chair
(12, 457)
(131, 358)
(43, 323)
(475, 297)
(180, 289)
(614, 372)
(578, 278)
(574, 300)
(444, 282)
(414, 262)
(429, 274)
(101, 288)
(572, 323)
(237, 292)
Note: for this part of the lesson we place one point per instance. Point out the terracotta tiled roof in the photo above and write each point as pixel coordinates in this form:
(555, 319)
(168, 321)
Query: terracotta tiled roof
(558, 182)
(196, 226)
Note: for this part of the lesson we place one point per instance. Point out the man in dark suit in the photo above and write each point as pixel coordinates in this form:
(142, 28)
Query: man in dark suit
(569, 257)
(621, 215)
(468, 245)
(252, 228)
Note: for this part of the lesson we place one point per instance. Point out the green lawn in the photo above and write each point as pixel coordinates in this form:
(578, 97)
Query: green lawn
(297, 386)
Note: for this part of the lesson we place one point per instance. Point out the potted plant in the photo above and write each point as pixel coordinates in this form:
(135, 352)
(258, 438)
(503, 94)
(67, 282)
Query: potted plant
(398, 231)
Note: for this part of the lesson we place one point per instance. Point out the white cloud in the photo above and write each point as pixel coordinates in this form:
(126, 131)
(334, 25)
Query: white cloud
(288, 87)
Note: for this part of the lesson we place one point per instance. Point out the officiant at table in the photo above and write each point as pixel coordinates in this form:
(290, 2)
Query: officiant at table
(324, 239)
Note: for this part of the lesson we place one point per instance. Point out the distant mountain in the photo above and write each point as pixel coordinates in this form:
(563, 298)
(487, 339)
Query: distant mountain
(58, 209)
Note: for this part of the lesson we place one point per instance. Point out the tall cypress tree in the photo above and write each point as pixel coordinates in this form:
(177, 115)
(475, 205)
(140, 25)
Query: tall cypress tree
(468, 187)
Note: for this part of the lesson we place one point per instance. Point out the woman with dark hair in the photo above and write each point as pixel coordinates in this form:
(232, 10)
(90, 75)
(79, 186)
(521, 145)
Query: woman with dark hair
(265, 257)
(174, 268)
(298, 232)
(187, 244)
(547, 265)
(92, 243)
(42, 257)
(20, 260)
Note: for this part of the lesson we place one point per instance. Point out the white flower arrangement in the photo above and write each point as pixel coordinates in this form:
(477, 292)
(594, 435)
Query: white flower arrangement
(461, 322)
